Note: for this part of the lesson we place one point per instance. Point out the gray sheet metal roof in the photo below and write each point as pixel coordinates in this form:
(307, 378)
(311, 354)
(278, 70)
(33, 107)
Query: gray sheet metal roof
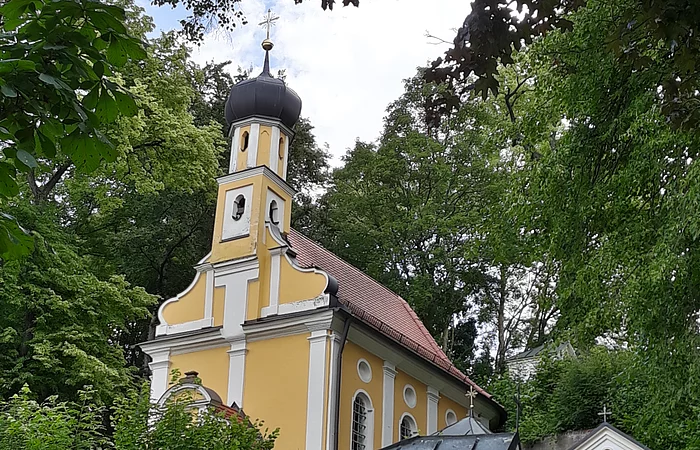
(468, 426)
(500, 441)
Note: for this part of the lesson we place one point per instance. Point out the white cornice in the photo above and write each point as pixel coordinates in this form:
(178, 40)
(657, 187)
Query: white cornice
(257, 171)
(287, 326)
(266, 121)
(185, 343)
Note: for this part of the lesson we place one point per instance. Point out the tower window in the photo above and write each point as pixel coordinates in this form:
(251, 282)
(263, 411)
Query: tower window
(359, 423)
(408, 427)
(281, 148)
(274, 212)
(238, 207)
(246, 138)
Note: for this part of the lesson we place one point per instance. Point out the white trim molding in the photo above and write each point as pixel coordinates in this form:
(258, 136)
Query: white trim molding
(415, 428)
(389, 372)
(369, 430)
(287, 326)
(235, 148)
(275, 269)
(160, 371)
(236, 372)
(316, 389)
(262, 121)
(274, 148)
(255, 171)
(332, 386)
(432, 419)
(286, 157)
(236, 281)
(450, 421)
(207, 321)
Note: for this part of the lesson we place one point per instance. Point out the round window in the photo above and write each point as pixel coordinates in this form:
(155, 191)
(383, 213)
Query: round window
(450, 417)
(364, 370)
(409, 396)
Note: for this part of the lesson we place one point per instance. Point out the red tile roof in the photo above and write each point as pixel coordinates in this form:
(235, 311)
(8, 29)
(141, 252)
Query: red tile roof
(376, 305)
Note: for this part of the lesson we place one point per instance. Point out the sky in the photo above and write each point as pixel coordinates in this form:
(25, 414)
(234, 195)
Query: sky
(347, 65)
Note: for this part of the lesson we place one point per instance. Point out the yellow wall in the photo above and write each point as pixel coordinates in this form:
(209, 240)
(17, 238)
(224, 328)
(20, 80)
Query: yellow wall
(189, 307)
(211, 364)
(224, 251)
(276, 386)
(443, 405)
(350, 383)
(296, 285)
(263, 158)
(419, 412)
(242, 157)
(280, 166)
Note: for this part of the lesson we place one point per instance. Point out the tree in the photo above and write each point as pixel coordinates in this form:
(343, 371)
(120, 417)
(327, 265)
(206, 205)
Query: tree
(56, 94)
(59, 321)
(26, 424)
(661, 38)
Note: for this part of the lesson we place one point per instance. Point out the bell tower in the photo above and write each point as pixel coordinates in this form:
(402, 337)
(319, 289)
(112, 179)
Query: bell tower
(261, 113)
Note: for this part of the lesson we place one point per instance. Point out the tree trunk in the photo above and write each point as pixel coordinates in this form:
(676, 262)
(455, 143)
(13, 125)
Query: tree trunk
(502, 295)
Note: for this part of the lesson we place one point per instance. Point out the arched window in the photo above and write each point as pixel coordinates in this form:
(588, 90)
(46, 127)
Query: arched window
(362, 421)
(450, 417)
(238, 207)
(246, 138)
(281, 148)
(274, 212)
(407, 427)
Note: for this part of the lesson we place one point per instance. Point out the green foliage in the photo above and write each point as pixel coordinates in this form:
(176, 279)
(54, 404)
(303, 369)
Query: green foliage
(57, 59)
(173, 427)
(58, 320)
(26, 424)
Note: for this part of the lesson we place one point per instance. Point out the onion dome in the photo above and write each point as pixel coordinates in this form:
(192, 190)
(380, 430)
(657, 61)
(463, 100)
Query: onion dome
(264, 97)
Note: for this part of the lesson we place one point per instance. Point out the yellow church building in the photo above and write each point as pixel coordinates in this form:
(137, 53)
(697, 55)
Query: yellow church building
(282, 328)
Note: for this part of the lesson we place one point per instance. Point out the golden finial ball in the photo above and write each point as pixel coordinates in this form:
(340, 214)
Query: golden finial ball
(267, 45)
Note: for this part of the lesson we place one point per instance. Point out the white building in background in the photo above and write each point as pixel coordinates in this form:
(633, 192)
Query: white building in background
(524, 365)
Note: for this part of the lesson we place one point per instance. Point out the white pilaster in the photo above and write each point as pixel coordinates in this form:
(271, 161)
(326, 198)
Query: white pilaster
(316, 390)
(253, 139)
(275, 264)
(236, 298)
(236, 372)
(275, 149)
(209, 295)
(332, 386)
(235, 148)
(160, 371)
(389, 371)
(286, 158)
(433, 398)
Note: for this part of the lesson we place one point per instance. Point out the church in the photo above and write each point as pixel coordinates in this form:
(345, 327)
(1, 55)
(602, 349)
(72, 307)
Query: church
(277, 326)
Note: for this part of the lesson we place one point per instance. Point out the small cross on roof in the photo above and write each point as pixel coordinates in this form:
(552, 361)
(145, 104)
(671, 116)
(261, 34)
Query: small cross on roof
(605, 413)
(268, 22)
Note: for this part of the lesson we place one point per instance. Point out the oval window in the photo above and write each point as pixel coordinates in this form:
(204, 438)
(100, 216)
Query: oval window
(409, 396)
(364, 371)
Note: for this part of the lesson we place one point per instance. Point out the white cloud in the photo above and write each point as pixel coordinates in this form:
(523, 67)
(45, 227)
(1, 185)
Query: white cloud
(347, 65)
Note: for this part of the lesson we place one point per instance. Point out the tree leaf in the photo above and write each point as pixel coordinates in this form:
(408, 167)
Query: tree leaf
(116, 54)
(55, 82)
(8, 91)
(106, 109)
(127, 105)
(26, 158)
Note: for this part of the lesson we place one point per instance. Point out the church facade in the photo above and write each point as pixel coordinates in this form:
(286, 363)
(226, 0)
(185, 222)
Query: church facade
(280, 327)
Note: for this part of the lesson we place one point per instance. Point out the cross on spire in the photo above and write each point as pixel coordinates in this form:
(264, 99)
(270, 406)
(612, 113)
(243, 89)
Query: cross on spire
(268, 22)
(605, 413)
(472, 395)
